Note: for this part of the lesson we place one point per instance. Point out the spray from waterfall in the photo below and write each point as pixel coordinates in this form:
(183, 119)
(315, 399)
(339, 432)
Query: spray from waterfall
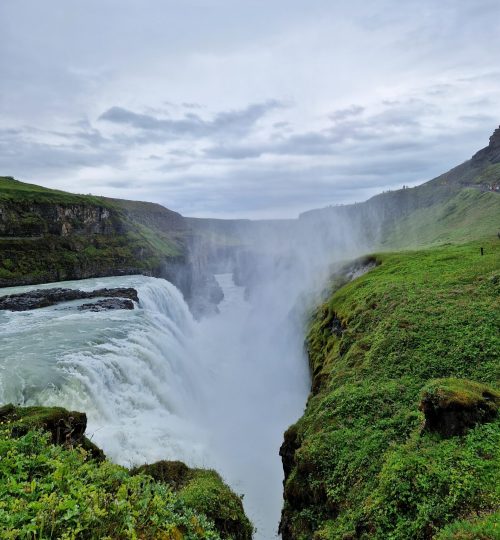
(157, 384)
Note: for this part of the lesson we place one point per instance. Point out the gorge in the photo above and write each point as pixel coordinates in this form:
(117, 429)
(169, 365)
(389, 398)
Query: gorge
(210, 368)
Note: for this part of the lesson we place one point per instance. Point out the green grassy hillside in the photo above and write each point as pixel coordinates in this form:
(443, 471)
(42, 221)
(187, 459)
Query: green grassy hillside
(13, 190)
(49, 235)
(468, 215)
(360, 462)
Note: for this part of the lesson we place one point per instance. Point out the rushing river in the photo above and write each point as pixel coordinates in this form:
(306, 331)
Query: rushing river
(156, 384)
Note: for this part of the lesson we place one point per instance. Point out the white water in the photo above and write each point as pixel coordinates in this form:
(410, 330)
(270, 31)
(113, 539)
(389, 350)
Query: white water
(155, 384)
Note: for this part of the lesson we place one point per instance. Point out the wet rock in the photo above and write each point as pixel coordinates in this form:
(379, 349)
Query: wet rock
(40, 298)
(337, 326)
(453, 406)
(108, 304)
(287, 450)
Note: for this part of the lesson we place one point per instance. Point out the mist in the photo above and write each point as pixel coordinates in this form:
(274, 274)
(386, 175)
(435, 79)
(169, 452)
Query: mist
(254, 376)
(214, 384)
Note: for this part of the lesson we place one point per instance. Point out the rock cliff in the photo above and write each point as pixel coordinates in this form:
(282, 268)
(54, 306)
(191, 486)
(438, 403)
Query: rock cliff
(48, 235)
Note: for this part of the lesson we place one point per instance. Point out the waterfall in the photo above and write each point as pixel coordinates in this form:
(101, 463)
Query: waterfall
(156, 384)
(130, 371)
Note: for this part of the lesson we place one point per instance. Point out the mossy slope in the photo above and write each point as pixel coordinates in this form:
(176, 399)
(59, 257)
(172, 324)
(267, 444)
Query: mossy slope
(360, 464)
(53, 484)
(204, 491)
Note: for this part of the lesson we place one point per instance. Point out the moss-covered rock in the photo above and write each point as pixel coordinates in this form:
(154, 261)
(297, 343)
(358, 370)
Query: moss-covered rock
(173, 473)
(453, 406)
(205, 491)
(66, 428)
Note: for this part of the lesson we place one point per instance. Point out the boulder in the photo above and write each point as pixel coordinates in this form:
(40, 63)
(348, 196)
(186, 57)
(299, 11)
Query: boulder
(67, 428)
(108, 304)
(205, 491)
(453, 406)
(40, 298)
(173, 473)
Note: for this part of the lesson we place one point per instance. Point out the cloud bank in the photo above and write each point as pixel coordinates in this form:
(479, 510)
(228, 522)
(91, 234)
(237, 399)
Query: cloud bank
(247, 110)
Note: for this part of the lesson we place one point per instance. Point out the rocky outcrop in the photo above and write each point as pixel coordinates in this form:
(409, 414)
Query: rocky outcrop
(492, 152)
(66, 428)
(32, 219)
(218, 502)
(287, 453)
(40, 298)
(453, 406)
(173, 473)
(107, 304)
(48, 235)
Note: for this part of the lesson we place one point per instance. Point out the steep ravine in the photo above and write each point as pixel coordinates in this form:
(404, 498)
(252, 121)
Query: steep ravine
(48, 235)
(404, 360)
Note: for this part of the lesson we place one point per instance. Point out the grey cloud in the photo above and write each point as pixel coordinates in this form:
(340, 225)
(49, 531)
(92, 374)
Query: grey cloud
(125, 184)
(349, 127)
(342, 114)
(23, 153)
(443, 52)
(440, 89)
(268, 189)
(492, 76)
(236, 152)
(192, 125)
(308, 144)
(479, 119)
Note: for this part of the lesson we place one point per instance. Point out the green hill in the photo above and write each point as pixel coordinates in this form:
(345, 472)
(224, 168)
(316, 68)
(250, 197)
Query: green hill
(400, 439)
(468, 215)
(50, 235)
(360, 462)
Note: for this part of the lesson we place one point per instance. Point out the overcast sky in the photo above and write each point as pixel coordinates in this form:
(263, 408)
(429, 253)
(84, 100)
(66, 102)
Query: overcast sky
(244, 108)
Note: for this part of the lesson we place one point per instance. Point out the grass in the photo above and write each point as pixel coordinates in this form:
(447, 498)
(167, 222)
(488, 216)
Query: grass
(363, 467)
(12, 190)
(490, 175)
(469, 215)
(48, 491)
(478, 528)
(54, 483)
(160, 242)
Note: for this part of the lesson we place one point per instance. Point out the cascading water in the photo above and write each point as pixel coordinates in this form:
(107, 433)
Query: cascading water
(156, 384)
(128, 370)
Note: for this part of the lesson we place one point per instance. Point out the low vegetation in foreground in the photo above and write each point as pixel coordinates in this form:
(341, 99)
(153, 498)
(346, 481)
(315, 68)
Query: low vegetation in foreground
(54, 483)
(401, 435)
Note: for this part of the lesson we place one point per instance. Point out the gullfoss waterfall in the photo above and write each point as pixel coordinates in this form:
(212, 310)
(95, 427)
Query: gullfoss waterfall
(156, 384)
